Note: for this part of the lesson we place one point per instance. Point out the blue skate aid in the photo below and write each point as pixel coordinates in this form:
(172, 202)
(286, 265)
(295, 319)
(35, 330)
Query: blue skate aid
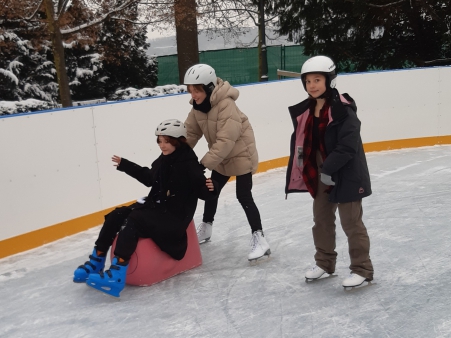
(94, 265)
(112, 281)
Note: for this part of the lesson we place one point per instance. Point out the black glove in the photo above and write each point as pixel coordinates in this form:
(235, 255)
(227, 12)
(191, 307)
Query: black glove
(337, 106)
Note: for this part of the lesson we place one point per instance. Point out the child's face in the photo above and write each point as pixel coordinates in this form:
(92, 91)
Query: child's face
(197, 95)
(315, 84)
(165, 146)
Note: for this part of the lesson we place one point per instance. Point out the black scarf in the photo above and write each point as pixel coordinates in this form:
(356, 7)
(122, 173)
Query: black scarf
(205, 106)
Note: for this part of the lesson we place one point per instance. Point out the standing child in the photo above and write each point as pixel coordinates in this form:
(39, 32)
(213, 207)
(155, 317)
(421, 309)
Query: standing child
(232, 150)
(328, 161)
(177, 180)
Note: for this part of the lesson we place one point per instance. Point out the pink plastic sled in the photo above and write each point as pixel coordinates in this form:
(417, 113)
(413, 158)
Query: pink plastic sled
(149, 265)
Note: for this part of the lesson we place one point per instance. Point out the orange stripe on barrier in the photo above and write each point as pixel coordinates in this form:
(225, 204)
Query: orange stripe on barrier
(52, 233)
(407, 143)
(34, 239)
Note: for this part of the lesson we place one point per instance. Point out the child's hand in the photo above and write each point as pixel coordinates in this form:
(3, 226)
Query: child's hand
(210, 184)
(116, 159)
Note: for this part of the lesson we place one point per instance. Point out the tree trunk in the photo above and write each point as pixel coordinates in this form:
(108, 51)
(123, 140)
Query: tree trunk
(58, 55)
(186, 35)
(263, 59)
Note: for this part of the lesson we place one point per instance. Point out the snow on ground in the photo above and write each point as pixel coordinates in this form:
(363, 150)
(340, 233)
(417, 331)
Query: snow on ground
(407, 218)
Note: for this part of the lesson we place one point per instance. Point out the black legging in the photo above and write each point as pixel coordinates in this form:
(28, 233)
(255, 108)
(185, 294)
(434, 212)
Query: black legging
(127, 241)
(244, 196)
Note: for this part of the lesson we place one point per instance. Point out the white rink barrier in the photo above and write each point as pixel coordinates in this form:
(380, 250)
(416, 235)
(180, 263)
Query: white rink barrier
(57, 177)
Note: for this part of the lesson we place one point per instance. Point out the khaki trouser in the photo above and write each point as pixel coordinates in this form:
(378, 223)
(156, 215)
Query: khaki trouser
(352, 224)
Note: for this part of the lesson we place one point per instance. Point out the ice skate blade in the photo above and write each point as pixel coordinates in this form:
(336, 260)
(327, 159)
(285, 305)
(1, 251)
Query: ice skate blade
(267, 253)
(80, 280)
(205, 240)
(358, 287)
(322, 277)
(111, 291)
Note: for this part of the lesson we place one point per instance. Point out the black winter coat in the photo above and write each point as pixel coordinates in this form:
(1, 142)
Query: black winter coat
(177, 182)
(346, 160)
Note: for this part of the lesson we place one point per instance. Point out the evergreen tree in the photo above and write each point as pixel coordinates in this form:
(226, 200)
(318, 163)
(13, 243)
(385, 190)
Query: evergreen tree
(370, 34)
(125, 62)
(26, 71)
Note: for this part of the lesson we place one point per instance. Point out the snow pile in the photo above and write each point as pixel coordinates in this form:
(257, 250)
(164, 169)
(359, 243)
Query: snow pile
(24, 106)
(30, 105)
(132, 93)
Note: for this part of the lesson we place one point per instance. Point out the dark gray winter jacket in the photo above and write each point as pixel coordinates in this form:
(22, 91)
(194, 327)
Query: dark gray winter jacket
(345, 161)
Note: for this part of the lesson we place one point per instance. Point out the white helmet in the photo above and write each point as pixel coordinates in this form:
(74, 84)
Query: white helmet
(201, 74)
(320, 64)
(173, 127)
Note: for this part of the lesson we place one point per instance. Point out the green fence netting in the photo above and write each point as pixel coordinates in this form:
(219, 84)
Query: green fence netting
(238, 65)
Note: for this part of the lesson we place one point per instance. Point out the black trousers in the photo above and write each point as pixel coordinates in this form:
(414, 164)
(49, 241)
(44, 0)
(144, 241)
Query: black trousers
(244, 196)
(129, 231)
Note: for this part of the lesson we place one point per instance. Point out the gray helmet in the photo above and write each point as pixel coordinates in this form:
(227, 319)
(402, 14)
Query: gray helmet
(173, 127)
(320, 64)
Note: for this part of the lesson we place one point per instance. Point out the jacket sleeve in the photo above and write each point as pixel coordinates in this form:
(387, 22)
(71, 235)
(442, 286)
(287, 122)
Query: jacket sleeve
(347, 144)
(143, 174)
(227, 133)
(198, 178)
(193, 131)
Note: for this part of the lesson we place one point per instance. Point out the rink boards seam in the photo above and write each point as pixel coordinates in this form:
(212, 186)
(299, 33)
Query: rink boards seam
(54, 232)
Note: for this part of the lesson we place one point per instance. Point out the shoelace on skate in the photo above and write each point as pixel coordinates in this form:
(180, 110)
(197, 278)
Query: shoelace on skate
(254, 241)
(201, 229)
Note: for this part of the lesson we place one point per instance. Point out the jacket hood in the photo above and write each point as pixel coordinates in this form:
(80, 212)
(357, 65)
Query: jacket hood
(348, 100)
(222, 91)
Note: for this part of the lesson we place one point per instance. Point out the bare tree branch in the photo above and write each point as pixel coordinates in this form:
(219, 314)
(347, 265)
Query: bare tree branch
(102, 18)
(35, 12)
(387, 5)
(381, 6)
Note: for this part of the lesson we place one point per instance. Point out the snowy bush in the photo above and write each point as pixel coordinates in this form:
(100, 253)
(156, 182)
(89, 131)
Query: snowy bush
(132, 93)
(30, 105)
(25, 106)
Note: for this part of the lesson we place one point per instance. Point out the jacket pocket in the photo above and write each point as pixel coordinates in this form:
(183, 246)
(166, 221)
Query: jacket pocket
(351, 173)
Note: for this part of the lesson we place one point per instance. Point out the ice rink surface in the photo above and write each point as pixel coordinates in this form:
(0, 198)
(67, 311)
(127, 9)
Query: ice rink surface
(408, 221)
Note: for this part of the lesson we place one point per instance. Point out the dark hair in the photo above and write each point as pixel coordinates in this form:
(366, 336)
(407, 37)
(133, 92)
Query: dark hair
(199, 87)
(176, 142)
(327, 94)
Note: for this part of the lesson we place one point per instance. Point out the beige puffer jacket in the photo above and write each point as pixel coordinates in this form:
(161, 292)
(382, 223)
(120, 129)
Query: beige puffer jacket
(230, 137)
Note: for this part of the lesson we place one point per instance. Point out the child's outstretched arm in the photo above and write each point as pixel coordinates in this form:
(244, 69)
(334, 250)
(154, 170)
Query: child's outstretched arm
(116, 159)
(143, 174)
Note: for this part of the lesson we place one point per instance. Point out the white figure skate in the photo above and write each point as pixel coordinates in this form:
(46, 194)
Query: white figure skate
(315, 272)
(204, 231)
(259, 246)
